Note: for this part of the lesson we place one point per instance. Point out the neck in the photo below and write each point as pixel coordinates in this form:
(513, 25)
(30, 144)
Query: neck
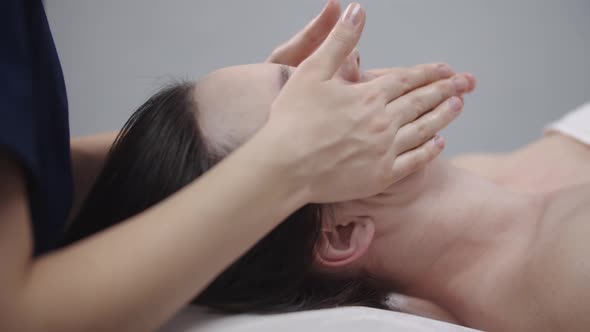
(447, 239)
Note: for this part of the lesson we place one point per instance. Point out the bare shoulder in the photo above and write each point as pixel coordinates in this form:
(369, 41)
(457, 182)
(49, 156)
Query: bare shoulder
(553, 162)
(555, 280)
(490, 166)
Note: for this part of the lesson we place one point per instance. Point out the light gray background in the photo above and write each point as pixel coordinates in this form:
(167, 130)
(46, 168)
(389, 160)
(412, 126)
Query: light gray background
(531, 57)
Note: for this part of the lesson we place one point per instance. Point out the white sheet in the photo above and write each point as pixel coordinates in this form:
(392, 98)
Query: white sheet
(575, 124)
(345, 319)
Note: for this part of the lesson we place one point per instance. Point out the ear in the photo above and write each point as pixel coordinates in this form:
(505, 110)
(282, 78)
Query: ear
(343, 243)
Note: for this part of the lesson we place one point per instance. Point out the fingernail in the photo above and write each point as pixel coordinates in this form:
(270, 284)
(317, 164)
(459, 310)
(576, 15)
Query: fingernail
(455, 104)
(439, 141)
(352, 14)
(460, 84)
(444, 70)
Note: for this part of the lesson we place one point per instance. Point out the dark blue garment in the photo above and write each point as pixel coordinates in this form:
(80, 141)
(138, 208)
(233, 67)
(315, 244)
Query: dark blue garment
(34, 116)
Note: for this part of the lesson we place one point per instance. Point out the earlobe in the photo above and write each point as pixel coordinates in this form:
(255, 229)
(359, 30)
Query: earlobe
(344, 243)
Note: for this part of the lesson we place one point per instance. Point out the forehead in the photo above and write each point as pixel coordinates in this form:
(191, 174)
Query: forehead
(234, 102)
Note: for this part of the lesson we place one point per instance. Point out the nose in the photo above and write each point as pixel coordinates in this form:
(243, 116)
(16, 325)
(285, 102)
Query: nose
(350, 70)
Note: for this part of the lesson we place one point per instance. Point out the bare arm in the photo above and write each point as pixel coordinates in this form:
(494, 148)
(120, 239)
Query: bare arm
(136, 275)
(89, 152)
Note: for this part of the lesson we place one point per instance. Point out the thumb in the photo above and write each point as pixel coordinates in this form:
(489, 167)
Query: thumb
(330, 55)
(300, 46)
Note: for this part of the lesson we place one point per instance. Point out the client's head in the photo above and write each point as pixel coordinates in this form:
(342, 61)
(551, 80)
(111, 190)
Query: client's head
(307, 262)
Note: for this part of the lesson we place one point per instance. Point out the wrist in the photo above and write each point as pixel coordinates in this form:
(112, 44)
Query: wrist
(270, 154)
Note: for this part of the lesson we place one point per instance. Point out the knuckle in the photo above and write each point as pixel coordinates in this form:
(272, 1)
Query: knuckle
(419, 103)
(385, 173)
(445, 89)
(397, 116)
(445, 116)
(424, 73)
(431, 71)
(436, 120)
(421, 73)
(383, 92)
(403, 78)
(435, 93)
(414, 162)
(404, 81)
(381, 149)
(380, 122)
(372, 95)
(407, 111)
(422, 131)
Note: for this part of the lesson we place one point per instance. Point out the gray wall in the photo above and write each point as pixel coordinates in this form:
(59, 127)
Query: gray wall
(531, 57)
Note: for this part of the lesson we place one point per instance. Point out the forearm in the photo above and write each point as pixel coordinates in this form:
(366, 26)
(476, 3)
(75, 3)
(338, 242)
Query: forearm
(88, 156)
(134, 276)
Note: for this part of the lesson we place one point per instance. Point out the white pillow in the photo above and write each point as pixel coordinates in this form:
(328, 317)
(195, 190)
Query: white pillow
(345, 319)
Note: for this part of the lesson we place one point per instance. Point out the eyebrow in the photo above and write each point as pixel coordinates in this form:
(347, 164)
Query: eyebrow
(285, 74)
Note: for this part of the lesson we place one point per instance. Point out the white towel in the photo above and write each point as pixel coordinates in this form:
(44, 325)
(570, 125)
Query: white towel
(344, 319)
(575, 124)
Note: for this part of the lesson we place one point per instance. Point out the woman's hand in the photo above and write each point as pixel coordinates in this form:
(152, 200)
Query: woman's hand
(306, 41)
(342, 141)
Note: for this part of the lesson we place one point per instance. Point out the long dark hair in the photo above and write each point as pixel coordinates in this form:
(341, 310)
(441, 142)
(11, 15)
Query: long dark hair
(161, 149)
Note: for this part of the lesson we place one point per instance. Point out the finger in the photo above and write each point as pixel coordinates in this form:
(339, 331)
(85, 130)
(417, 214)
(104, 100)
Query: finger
(411, 106)
(391, 70)
(350, 71)
(371, 74)
(411, 161)
(416, 133)
(301, 45)
(472, 82)
(327, 58)
(397, 81)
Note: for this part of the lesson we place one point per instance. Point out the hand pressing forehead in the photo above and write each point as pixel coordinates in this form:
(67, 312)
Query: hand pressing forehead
(234, 102)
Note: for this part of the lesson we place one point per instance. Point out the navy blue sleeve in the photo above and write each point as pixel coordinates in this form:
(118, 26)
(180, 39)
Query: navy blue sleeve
(16, 86)
(34, 128)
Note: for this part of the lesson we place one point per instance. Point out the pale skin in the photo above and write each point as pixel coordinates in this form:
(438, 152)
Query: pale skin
(495, 242)
(525, 292)
(503, 251)
(163, 265)
(554, 162)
